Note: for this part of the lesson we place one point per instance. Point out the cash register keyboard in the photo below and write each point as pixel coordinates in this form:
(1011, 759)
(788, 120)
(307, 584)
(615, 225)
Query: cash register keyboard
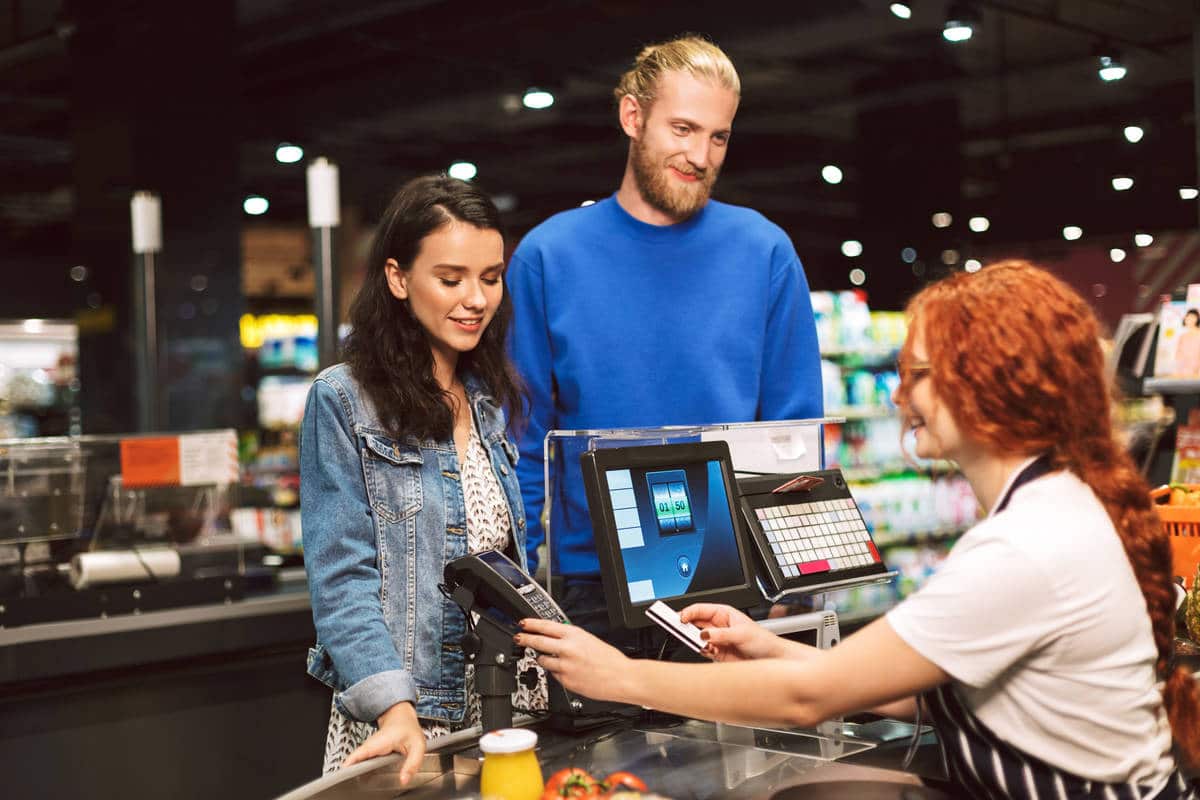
(817, 536)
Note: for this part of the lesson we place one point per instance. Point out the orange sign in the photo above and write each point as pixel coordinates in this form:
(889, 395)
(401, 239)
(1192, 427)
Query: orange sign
(151, 461)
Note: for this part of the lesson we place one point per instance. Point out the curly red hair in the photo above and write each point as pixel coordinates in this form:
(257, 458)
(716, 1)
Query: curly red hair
(1018, 352)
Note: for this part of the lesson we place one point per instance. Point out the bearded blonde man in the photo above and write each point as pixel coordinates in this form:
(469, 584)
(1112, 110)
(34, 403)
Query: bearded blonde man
(656, 305)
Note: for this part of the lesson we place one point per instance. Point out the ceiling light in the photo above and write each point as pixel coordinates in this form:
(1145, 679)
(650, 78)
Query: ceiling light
(32, 326)
(288, 153)
(1188, 192)
(908, 255)
(587, 203)
(1122, 183)
(950, 257)
(79, 273)
(255, 205)
(979, 224)
(901, 10)
(1072, 232)
(858, 277)
(973, 265)
(942, 219)
(463, 170)
(831, 173)
(1134, 133)
(1111, 68)
(537, 99)
(961, 21)
(852, 248)
(1143, 239)
(1117, 255)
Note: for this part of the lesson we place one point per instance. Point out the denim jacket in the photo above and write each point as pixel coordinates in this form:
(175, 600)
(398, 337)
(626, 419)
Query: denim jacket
(381, 517)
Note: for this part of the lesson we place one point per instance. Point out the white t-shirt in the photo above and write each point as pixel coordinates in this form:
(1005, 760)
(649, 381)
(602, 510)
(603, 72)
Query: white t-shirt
(1038, 618)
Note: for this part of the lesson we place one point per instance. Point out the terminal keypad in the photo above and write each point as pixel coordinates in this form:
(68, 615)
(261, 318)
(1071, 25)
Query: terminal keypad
(817, 536)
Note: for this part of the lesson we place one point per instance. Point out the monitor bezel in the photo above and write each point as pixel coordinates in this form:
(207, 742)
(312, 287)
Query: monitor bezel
(622, 612)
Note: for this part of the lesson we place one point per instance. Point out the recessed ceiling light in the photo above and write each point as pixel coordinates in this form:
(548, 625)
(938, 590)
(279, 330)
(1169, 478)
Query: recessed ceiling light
(942, 219)
(1122, 183)
(961, 21)
(1134, 133)
(1117, 255)
(288, 153)
(537, 98)
(463, 170)
(1111, 69)
(901, 10)
(1188, 192)
(908, 255)
(852, 248)
(972, 265)
(1143, 239)
(858, 277)
(831, 173)
(1072, 232)
(979, 224)
(950, 257)
(255, 205)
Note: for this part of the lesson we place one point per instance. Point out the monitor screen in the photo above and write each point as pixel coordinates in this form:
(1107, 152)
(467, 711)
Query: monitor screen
(666, 528)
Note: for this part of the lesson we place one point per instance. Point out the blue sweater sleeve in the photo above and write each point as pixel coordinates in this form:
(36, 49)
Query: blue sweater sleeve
(791, 387)
(529, 343)
(341, 560)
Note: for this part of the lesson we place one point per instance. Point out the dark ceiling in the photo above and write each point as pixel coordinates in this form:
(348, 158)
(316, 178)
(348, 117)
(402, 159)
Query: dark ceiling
(1014, 123)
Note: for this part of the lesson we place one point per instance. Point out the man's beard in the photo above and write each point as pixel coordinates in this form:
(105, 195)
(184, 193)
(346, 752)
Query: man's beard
(676, 199)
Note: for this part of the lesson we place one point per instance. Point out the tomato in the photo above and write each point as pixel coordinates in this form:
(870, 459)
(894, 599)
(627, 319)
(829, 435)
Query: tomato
(571, 782)
(624, 781)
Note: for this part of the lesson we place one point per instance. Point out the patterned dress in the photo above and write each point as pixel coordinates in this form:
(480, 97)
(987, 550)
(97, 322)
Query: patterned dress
(488, 528)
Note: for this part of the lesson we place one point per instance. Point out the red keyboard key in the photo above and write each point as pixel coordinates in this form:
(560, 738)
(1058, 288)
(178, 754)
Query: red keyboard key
(874, 552)
(810, 567)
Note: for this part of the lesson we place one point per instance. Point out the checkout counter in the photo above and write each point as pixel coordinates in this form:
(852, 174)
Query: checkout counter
(676, 758)
(671, 523)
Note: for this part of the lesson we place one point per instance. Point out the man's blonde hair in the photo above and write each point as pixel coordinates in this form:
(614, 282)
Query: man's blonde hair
(692, 54)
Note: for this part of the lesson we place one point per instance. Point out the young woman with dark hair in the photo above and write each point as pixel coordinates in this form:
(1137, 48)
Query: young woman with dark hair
(1042, 647)
(405, 465)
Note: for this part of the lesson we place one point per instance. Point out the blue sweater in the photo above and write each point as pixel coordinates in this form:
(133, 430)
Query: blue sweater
(623, 324)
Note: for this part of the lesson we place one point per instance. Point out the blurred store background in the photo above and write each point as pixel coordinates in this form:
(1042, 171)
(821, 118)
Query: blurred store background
(895, 142)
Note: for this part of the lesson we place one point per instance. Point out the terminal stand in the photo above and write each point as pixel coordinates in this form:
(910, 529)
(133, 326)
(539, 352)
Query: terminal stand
(490, 647)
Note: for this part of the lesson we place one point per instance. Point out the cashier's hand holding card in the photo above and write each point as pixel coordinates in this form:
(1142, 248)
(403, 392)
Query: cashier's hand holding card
(581, 662)
(731, 635)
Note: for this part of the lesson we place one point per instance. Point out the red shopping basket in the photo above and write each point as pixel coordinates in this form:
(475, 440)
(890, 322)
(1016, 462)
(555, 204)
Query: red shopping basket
(1182, 524)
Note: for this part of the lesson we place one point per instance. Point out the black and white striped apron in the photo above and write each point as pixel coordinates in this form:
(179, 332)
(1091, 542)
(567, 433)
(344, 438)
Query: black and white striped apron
(981, 764)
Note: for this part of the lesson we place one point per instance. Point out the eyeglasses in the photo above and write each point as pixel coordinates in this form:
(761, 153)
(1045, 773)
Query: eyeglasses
(913, 371)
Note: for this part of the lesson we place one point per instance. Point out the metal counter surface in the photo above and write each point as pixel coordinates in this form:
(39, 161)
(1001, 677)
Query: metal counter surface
(690, 759)
(57, 649)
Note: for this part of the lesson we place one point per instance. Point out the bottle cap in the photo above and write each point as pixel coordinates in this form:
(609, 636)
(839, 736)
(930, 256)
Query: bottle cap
(508, 740)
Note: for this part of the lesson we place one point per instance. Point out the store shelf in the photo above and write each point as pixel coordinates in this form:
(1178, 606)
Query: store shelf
(875, 472)
(873, 354)
(895, 538)
(851, 413)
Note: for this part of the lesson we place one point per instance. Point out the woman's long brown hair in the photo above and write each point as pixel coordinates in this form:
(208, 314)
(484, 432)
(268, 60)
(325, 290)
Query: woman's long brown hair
(1017, 351)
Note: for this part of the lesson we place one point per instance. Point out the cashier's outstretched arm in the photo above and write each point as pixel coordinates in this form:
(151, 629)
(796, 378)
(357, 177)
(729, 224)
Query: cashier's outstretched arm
(868, 669)
(399, 732)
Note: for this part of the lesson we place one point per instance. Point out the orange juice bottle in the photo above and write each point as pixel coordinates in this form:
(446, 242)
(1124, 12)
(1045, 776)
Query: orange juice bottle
(510, 766)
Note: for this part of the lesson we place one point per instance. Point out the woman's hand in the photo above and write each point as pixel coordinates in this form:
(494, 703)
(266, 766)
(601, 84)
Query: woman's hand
(399, 732)
(581, 662)
(731, 635)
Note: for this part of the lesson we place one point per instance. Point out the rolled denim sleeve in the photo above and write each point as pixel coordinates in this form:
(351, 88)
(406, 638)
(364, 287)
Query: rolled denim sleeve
(341, 558)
